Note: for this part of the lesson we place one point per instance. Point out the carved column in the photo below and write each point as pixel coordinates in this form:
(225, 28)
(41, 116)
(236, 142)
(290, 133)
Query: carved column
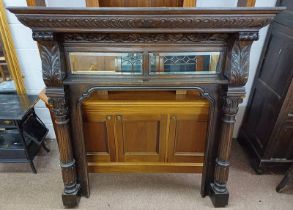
(53, 75)
(236, 70)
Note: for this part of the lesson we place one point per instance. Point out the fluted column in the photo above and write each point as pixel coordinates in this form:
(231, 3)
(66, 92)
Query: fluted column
(236, 71)
(54, 73)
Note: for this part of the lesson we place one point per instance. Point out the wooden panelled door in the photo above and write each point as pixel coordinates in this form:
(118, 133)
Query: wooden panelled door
(187, 136)
(99, 132)
(141, 137)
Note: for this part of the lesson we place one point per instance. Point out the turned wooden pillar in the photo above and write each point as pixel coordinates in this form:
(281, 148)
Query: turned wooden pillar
(236, 70)
(54, 73)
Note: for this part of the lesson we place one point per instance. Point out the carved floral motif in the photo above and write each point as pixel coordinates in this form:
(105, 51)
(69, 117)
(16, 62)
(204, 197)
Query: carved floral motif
(231, 104)
(143, 38)
(146, 22)
(59, 106)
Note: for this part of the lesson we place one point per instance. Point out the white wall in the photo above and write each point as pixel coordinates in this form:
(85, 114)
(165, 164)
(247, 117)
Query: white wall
(30, 63)
(29, 60)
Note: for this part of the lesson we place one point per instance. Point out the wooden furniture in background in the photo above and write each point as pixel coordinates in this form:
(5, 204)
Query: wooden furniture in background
(288, 179)
(60, 32)
(267, 129)
(22, 133)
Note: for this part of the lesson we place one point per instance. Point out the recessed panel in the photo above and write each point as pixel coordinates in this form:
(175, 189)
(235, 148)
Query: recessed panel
(141, 136)
(190, 136)
(96, 138)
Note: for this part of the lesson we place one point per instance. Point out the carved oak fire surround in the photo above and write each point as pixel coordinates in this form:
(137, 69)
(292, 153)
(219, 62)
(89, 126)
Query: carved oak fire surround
(57, 30)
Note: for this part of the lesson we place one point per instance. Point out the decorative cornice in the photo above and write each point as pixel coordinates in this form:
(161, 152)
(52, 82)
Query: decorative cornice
(145, 23)
(144, 38)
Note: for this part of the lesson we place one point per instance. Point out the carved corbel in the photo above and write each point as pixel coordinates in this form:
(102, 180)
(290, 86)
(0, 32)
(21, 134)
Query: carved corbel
(52, 64)
(237, 60)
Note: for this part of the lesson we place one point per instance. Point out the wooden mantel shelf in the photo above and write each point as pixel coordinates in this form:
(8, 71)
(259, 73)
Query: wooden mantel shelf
(145, 19)
(83, 51)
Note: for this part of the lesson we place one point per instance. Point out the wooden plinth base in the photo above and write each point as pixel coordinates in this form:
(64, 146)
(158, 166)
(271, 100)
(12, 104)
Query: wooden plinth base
(71, 200)
(219, 199)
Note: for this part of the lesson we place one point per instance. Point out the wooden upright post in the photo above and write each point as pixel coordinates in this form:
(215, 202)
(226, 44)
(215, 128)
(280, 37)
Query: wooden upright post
(236, 70)
(53, 75)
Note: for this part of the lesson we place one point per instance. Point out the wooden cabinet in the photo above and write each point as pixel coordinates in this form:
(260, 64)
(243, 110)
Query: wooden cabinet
(124, 128)
(267, 130)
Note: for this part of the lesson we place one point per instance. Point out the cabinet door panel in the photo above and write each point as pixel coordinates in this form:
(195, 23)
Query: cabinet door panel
(187, 137)
(99, 138)
(141, 137)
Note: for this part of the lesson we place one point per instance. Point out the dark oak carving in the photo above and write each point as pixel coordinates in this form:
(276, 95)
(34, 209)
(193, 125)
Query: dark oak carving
(231, 100)
(145, 22)
(53, 76)
(237, 60)
(53, 72)
(144, 38)
(59, 107)
(231, 30)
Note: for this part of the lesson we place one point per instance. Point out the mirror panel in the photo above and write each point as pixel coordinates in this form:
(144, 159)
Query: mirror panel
(184, 62)
(106, 63)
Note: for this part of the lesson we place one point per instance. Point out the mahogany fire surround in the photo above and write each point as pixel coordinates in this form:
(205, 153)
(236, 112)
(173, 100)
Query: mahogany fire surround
(58, 29)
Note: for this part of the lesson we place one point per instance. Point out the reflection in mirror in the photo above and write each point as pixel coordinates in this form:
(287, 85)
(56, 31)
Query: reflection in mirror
(6, 82)
(106, 63)
(184, 62)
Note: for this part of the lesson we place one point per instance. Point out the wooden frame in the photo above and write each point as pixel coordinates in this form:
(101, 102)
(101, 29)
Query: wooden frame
(10, 53)
(58, 30)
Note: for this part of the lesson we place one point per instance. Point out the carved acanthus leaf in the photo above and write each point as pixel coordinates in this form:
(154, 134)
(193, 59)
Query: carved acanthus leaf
(58, 106)
(231, 104)
(53, 74)
(239, 63)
